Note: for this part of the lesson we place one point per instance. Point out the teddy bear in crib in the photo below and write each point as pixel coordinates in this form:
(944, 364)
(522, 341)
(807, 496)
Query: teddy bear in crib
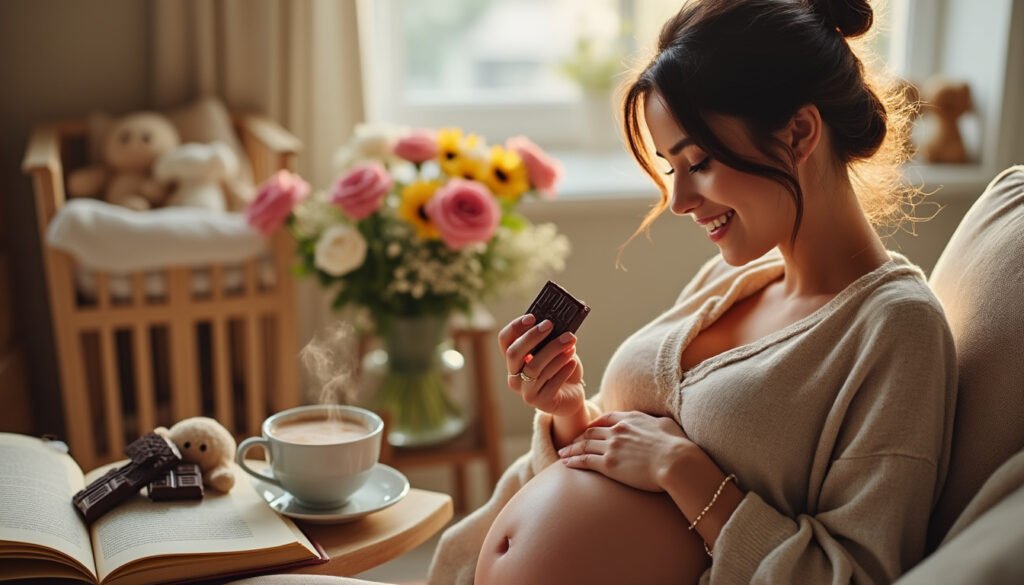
(197, 173)
(128, 151)
(205, 442)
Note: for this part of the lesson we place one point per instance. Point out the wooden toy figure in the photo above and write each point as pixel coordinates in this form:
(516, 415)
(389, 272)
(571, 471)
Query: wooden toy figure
(947, 100)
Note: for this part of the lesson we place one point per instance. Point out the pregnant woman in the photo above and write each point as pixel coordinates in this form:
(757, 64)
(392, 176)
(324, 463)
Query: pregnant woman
(788, 419)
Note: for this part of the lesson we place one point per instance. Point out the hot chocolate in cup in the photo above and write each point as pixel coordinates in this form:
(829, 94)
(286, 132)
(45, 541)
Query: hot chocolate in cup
(320, 454)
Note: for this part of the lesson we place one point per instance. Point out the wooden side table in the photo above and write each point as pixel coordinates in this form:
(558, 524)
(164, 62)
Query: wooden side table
(474, 337)
(379, 537)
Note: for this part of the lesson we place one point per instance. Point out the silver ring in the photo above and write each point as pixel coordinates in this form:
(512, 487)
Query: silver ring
(525, 378)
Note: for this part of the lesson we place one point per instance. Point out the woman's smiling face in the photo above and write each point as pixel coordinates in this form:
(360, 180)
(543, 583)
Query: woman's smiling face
(743, 214)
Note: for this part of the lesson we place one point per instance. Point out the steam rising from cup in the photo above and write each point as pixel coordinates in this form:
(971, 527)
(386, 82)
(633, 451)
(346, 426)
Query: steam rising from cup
(330, 359)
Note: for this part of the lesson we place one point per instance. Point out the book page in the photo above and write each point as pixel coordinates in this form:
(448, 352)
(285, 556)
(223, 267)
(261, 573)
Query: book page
(237, 521)
(36, 485)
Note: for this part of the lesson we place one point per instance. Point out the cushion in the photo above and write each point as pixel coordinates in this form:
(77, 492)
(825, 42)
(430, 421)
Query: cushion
(106, 237)
(985, 544)
(980, 280)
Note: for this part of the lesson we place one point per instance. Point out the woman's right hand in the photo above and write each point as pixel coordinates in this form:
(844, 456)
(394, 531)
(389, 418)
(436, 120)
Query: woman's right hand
(554, 377)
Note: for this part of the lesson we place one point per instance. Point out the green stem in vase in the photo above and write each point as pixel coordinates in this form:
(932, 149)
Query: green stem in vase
(415, 384)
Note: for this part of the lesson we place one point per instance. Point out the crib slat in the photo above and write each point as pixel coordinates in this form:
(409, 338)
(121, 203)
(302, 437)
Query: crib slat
(217, 282)
(76, 398)
(223, 405)
(185, 400)
(255, 398)
(286, 387)
(145, 398)
(252, 271)
(138, 290)
(113, 411)
(286, 390)
(102, 290)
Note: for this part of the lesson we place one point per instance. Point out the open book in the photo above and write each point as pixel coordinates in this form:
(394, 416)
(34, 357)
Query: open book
(139, 541)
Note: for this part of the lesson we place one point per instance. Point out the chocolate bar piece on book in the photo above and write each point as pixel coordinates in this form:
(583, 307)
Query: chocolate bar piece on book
(565, 311)
(182, 482)
(151, 455)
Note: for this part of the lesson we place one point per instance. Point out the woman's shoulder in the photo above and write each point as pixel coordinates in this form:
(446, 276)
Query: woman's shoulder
(899, 298)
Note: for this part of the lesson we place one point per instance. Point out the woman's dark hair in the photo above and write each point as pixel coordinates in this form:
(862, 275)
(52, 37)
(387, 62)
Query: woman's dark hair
(760, 61)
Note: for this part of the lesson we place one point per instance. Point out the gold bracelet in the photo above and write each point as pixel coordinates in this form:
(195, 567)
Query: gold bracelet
(718, 492)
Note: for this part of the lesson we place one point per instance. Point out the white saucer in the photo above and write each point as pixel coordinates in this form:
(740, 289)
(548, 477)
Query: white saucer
(385, 487)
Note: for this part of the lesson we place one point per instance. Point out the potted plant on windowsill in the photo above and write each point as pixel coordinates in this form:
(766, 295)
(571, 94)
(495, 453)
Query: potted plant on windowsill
(594, 70)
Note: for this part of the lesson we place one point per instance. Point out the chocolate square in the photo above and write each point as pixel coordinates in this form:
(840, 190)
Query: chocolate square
(565, 311)
(182, 482)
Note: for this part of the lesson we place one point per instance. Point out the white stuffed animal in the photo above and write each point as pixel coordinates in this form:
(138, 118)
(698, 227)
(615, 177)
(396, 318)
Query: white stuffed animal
(197, 171)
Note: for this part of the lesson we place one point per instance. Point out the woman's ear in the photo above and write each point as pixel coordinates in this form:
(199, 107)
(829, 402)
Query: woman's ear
(803, 132)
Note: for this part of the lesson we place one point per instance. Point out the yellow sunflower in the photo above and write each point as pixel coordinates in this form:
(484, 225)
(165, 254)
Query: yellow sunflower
(506, 174)
(467, 167)
(452, 147)
(412, 208)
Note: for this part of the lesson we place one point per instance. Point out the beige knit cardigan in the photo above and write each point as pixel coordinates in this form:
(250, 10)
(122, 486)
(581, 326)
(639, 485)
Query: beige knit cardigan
(837, 426)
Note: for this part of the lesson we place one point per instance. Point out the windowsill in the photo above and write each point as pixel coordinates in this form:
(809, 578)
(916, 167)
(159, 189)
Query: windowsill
(612, 179)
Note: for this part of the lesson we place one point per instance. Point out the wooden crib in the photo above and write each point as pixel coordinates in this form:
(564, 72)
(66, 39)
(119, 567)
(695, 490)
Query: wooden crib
(129, 364)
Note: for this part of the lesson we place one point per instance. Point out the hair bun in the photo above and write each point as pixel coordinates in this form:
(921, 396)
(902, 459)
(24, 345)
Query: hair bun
(852, 17)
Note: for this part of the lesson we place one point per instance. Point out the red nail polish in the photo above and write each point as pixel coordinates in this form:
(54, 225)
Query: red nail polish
(528, 358)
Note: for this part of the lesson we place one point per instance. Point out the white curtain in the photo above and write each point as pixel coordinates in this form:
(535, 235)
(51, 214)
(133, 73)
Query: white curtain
(297, 61)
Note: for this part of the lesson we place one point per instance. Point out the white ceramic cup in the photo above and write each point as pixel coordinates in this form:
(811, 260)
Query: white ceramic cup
(318, 475)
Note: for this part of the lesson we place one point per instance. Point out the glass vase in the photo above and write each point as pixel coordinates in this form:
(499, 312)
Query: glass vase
(414, 371)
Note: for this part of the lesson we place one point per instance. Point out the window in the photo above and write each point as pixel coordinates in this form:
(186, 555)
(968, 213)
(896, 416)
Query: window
(493, 66)
(497, 51)
(496, 66)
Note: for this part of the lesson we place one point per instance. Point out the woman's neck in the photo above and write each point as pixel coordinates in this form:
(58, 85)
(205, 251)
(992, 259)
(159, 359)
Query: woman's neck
(835, 245)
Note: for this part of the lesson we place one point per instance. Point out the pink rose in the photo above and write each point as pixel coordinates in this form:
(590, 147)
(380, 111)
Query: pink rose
(275, 200)
(544, 171)
(464, 212)
(360, 192)
(417, 147)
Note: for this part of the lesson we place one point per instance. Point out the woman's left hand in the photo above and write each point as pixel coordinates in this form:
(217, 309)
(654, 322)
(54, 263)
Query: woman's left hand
(632, 448)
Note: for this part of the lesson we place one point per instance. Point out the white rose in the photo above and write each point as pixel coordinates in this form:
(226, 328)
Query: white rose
(340, 250)
(370, 141)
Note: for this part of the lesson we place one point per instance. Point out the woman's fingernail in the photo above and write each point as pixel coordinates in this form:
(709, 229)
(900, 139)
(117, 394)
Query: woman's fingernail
(545, 325)
(561, 452)
(527, 319)
(565, 337)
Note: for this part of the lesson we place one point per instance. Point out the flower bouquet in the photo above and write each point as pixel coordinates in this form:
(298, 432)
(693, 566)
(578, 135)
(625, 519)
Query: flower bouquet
(419, 225)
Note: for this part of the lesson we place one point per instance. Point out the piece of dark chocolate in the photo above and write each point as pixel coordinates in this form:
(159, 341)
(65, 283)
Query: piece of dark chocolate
(150, 454)
(184, 481)
(565, 311)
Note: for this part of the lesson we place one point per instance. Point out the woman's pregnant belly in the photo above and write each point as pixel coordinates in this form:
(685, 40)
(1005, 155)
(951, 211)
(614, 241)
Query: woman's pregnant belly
(568, 526)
